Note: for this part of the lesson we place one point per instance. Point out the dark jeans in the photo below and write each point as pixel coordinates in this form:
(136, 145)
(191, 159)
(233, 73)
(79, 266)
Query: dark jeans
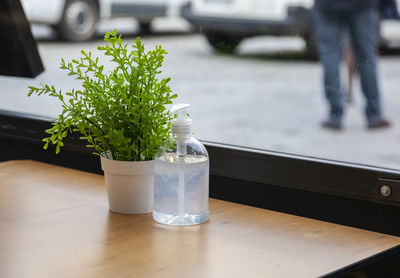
(363, 28)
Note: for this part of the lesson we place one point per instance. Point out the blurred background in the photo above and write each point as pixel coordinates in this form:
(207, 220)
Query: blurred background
(248, 68)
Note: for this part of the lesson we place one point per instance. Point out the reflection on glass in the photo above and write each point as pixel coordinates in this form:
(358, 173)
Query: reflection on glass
(266, 93)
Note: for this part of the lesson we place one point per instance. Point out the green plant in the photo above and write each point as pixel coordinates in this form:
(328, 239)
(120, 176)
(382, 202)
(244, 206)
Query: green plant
(123, 112)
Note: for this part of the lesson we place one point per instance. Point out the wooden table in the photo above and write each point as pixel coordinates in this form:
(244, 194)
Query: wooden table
(55, 222)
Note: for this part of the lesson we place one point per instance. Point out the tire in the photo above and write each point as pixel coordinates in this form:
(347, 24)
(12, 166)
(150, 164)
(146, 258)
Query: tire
(145, 27)
(223, 43)
(79, 20)
(311, 46)
(383, 47)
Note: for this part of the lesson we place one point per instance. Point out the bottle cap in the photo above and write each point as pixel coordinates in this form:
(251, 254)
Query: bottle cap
(181, 123)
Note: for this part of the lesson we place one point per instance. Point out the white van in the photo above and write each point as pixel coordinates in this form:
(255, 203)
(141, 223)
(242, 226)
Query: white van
(226, 23)
(76, 20)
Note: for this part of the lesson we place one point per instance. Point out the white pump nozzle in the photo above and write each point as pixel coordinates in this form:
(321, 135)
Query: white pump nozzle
(181, 123)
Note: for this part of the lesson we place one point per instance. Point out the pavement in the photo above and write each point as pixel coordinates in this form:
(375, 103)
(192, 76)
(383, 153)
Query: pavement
(266, 96)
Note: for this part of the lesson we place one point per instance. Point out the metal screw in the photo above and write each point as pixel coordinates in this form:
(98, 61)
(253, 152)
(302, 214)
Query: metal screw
(386, 190)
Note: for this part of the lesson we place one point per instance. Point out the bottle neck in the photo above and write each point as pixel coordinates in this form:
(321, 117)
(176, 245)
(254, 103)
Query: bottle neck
(181, 143)
(182, 137)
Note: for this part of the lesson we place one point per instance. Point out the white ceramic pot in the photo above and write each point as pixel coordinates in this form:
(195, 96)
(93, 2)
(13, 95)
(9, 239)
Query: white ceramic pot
(130, 185)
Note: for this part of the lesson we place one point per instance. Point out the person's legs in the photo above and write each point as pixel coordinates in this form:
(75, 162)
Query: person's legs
(329, 40)
(364, 31)
(351, 70)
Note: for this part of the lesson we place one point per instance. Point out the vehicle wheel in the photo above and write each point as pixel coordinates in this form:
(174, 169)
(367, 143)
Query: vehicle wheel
(222, 42)
(383, 46)
(145, 27)
(311, 46)
(79, 20)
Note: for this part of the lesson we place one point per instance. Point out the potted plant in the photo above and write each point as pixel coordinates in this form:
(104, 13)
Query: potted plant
(122, 115)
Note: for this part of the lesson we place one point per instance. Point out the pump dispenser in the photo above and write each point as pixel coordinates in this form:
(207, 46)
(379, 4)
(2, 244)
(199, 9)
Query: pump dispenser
(181, 176)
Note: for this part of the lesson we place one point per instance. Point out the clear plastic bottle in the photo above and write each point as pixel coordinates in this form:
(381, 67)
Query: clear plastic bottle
(182, 176)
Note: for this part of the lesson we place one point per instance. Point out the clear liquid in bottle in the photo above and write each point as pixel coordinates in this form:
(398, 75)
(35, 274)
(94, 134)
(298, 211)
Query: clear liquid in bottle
(176, 176)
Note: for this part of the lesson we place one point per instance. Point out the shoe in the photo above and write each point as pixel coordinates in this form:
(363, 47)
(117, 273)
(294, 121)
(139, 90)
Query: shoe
(382, 123)
(331, 125)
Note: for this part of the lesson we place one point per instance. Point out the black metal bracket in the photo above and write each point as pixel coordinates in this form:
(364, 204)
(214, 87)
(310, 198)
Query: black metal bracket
(19, 55)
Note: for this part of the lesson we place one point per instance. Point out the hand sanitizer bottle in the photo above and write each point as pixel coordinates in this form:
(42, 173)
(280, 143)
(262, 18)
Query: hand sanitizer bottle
(181, 176)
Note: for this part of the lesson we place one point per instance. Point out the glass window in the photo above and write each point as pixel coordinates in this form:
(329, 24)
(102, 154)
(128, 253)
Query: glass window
(251, 75)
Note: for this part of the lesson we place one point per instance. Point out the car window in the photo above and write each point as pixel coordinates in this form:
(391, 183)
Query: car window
(248, 86)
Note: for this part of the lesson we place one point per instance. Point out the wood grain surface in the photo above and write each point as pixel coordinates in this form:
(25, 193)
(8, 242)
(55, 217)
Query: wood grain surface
(55, 222)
